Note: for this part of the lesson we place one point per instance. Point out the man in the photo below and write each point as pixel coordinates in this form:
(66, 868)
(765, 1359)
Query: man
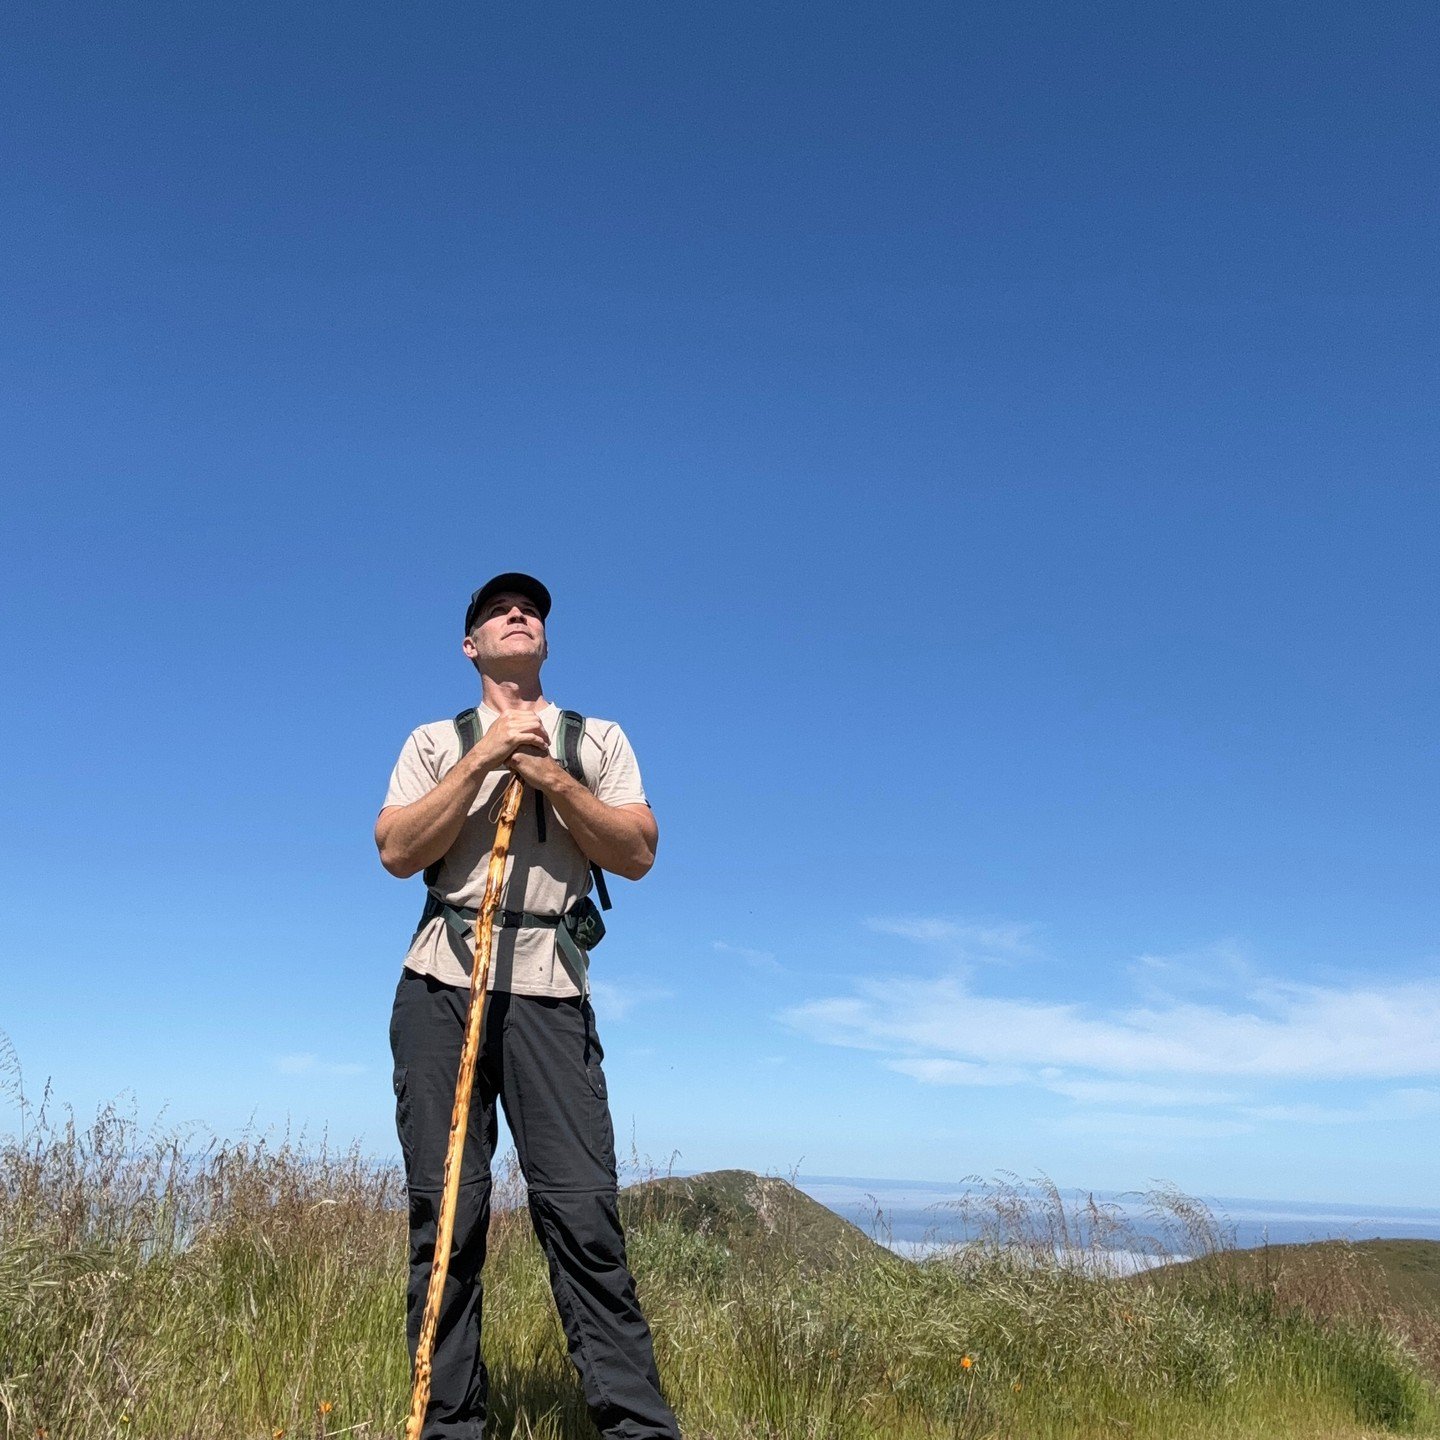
(540, 1053)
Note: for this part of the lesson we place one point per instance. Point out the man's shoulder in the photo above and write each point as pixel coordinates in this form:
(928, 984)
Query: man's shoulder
(435, 740)
(603, 732)
(435, 730)
(594, 722)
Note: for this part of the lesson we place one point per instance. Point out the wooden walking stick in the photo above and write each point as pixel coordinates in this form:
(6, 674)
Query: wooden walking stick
(460, 1115)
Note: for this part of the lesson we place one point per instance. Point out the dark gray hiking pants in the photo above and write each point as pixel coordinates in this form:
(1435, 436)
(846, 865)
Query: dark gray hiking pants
(541, 1057)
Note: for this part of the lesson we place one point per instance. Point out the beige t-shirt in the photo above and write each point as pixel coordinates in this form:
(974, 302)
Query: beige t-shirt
(545, 879)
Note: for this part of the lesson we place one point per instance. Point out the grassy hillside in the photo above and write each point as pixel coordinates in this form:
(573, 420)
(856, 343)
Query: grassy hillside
(1401, 1273)
(1410, 1270)
(257, 1295)
(750, 1214)
(1393, 1282)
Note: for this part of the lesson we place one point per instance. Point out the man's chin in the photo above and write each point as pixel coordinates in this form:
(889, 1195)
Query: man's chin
(510, 663)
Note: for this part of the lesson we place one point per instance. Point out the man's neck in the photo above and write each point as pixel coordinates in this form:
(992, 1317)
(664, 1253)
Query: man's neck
(502, 695)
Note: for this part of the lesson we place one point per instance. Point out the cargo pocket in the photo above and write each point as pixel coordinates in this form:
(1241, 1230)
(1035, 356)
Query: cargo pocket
(594, 1053)
(603, 1129)
(402, 1112)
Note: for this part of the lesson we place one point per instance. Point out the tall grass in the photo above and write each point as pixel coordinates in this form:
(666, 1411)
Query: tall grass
(163, 1288)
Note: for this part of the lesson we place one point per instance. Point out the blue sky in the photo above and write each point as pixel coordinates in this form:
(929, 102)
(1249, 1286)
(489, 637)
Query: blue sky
(984, 456)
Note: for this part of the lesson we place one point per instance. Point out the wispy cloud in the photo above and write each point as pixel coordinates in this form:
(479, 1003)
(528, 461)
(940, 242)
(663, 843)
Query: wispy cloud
(1006, 940)
(1088, 1091)
(1219, 968)
(1397, 1104)
(1134, 1092)
(1273, 1030)
(1410, 1101)
(306, 1063)
(615, 1002)
(1307, 1114)
(957, 1072)
(1149, 1130)
(755, 959)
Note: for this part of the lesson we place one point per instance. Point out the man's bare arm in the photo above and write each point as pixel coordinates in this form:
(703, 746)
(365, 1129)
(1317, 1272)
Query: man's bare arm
(410, 837)
(618, 838)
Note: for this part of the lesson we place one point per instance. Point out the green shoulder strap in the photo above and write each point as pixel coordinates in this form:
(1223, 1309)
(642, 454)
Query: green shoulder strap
(572, 731)
(467, 727)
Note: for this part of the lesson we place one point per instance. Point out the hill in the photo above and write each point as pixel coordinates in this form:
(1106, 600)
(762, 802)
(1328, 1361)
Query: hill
(1394, 1283)
(751, 1214)
(1411, 1269)
(1403, 1274)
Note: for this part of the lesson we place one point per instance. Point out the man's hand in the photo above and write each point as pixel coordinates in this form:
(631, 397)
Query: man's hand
(537, 769)
(510, 731)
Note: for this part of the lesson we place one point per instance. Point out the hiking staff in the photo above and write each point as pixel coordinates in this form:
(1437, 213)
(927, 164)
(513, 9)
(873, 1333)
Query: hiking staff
(460, 1116)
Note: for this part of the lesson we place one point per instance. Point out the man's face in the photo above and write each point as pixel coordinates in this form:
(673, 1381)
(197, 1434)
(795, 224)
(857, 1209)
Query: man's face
(507, 632)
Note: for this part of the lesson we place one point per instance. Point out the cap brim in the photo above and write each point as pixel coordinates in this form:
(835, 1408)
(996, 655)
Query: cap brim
(512, 582)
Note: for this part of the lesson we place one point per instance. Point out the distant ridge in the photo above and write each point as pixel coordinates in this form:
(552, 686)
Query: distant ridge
(1404, 1272)
(754, 1214)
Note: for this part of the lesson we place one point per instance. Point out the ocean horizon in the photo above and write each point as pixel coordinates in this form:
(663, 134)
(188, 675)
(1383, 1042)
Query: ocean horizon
(916, 1216)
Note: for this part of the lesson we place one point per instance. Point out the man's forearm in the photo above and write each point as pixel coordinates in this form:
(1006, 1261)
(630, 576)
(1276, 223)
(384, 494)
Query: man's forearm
(410, 837)
(610, 837)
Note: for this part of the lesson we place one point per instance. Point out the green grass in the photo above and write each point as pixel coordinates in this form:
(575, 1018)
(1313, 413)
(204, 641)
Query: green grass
(148, 1293)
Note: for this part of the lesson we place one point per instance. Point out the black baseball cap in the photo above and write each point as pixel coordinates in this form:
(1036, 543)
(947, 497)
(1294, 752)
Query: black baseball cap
(514, 583)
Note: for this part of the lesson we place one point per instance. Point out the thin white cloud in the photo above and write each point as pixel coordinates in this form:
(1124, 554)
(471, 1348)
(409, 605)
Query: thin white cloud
(1273, 1030)
(615, 1002)
(308, 1064)
(1305, 1114)
(1393, 1105)
(957, 1072)
(1152, 1129)
(756, 959)
(1415, 1101)
(1088, 1091)
(1134, 1092)
(1008, 940)
(1219, 968)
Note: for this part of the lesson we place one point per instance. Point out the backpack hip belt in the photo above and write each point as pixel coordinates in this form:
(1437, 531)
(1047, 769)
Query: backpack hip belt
(577, 931)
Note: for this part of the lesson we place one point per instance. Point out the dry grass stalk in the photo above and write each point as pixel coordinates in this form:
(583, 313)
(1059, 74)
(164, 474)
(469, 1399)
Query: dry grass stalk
(460, 1115)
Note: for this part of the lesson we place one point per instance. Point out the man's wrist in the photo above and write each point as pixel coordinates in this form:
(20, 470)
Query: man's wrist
(474, 767)
(559, 782)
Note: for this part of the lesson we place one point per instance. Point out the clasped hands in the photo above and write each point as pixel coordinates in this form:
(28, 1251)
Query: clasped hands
(517, 740)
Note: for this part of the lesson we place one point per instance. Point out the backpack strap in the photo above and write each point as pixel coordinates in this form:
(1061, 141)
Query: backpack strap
(572, 732)
(467, 727)
(569, 730)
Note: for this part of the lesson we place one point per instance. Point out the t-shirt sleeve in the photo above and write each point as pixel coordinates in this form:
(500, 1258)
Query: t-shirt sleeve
(620, 782)
(414, 775)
